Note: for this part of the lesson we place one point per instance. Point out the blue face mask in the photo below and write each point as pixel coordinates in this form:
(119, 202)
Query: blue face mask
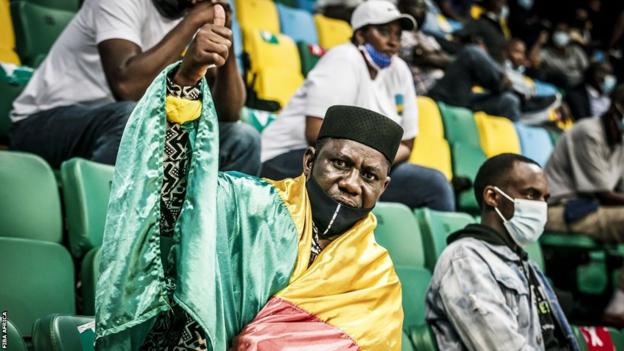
(376, 57)
(608, 84)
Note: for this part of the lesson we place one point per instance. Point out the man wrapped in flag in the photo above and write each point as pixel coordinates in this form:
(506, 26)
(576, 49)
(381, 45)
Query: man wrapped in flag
(194, 259)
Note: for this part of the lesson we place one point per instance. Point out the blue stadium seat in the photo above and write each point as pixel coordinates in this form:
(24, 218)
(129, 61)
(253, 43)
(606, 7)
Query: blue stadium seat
(535, 143)
(297, 24)
(308, 5)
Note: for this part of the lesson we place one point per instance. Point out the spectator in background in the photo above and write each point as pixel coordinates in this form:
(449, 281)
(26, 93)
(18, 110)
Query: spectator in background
(591, 98)
(485, 294)
(458, 10)
(487, 30)
(561, 63)
(79, 99)
(585, 173)
(340, 9)
(422, 52)
(366, 73)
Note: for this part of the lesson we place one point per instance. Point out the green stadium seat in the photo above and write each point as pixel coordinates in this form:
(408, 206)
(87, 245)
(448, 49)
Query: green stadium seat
(466, 160)
(535, 254)
(398, 231)
(89, 274)
(406, 343)
(67, 5)
(30, 207)
(37, 280)
(554, 135)
(14, 339)
(414, 284)
(36, 29)
(459, 125)
(257, 118)
(579, 338)
(617, 338)
(310, 54)
(86, 187)
(435, 227)
(423, 338)
(8, 93)
(64, 333)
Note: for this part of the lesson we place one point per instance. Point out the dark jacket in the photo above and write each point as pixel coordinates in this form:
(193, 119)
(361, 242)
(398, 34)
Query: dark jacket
(578, 101)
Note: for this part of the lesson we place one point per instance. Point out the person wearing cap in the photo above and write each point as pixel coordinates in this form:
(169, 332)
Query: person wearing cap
(368, 73)
(228, 261)
(485, 292)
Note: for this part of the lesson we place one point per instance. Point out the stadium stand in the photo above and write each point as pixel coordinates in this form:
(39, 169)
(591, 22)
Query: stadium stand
(332, 32)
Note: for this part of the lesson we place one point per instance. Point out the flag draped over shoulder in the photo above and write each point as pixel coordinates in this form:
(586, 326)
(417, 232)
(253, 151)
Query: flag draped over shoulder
(242, 246)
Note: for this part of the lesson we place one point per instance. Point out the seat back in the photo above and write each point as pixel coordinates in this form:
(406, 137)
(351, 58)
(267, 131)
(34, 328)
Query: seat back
(67, 5)
(14, 338)
(497, 135)
(266, 49)
(258, 14)
(30, 207)
(36, 29)
(429, 118)
(64, 332)
(86, 188)
(435, 227)
(434, 153)
(89, 274)
(535, 254)
(297, 24)
(398, 231)
(310, 54)
(423, 338)
(7, 35)
(308, 5)
(459, 125)
(466, 162)
(331, 31)
(414, 284)
(40, 280)
(406, 342)
(535, 143)
(275, 84)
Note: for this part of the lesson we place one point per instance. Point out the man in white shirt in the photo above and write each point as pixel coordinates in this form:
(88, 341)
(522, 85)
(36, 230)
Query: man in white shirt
(79, 99)
(366, 73)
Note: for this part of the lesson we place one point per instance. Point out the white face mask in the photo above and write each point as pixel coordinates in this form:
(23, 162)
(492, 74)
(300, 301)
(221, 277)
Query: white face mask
(561, 39)
(528, 220)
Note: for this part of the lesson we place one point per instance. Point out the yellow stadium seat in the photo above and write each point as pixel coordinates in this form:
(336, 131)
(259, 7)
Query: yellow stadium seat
(258, 14)
(276, 84)
(7, 35)
(433, 153)
(332, 32)
(429, 118)
(497, 134)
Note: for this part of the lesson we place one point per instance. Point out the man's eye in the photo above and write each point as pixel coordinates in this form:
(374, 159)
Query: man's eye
(340, 163)
(369, 176)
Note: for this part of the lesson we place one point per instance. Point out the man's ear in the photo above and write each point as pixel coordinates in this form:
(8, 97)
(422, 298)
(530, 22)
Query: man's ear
(490, 196)
(386, 183)
(308, 160)
(360, 38)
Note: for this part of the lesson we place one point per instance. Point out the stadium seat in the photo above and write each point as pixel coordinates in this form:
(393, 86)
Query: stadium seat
(406, 343)
(258, 14)
(554, 135)
(429, 118)
(308, 5)
(297, 24)
(36, 29)
(64, 333)
(434, 153)
(535, 254)
(435, 227)
(30, 207)
(89, 274)
(535, 143)
(8, 93)
(257, 118)
(7, 35)
(466, 162)
(86, 187)
(14, 338)
(67, 5)
(459, 125)
(397, 230)
(275, 68)
(414, 284)
(310, 54)
(290, 3)
(331, 31)
(497, 135)
(423, 338)
(38, 280)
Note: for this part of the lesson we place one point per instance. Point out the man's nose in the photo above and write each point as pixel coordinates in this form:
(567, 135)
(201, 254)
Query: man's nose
(350, 183)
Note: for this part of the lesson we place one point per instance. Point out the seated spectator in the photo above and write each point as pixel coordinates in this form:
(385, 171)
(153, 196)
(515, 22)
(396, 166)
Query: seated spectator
(457, 10)
(562, 62)
(487, 30)
(422, 52)
(585, 172)
(366, 73)
(591, 98)
(339, 9)
(79, 99)
(485, 293)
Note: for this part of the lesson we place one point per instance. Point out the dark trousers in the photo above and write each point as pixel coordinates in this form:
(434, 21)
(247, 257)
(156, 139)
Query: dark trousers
(94, 132)
(410, 184)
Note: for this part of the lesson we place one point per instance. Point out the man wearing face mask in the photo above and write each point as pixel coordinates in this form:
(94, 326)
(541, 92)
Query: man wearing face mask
(591, 98)
(585, 172)
(80, 97)
(485, 293)
(367, 73)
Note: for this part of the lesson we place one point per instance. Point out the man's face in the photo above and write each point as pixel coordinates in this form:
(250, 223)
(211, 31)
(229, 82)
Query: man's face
(385, 37)
(416, 8)
(349, 172)
(517, 53)
(525, 181)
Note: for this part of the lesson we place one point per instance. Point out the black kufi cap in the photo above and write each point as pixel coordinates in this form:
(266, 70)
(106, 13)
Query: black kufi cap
(364, 126)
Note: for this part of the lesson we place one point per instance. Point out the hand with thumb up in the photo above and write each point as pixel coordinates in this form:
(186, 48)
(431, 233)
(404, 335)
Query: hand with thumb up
(211, 45)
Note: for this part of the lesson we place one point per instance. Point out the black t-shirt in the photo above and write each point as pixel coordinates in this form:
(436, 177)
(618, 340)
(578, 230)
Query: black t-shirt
(553, 337)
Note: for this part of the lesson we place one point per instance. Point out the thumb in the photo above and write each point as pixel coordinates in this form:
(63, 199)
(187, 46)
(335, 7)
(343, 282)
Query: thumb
(219, 15)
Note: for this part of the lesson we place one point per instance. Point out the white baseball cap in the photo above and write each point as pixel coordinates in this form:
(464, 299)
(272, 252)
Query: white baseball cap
(377, 12)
